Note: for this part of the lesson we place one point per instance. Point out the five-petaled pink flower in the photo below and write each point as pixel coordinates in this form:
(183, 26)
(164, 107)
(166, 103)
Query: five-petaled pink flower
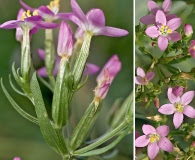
(155, 139)
(153, 8)
(94, 22)
(164, 30)
(179, 106)
(142, 77)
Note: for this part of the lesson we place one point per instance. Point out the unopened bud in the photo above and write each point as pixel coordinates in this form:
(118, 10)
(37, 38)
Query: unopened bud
(153, 44)
(188, 30)
(156, 102)
(191, 49)
(193, 144)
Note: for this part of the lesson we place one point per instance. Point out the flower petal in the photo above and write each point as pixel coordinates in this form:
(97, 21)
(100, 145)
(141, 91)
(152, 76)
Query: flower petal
(77, 11)
(91, 69)
(77, 21)
(177, 119)
(112, 32)
(174, 23)
(42, 72)
(150, 75)
(41, 53)
(167, 109)
(187, 97)
(45, 12)
(148, 19)
(162, 43)
(148, 129)
(96, 17)
(153, 150)
(142, 141)
(171, 16)
(160, 18)
(153, 7)
(46, 25)
(163, 131)
(166, 6)
(140, 72)
(171, 96)
(174, 36)
(165, 144)
(64, 16)
(138, 80)
(189, 111)
(152, 31)
(11, 24)
(26, 6)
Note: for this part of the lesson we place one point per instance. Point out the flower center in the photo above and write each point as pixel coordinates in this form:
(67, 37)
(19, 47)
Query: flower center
(165, 30)
(28, 14)
(154, 138)
(144, 79)
(54, 6)
(179, 107)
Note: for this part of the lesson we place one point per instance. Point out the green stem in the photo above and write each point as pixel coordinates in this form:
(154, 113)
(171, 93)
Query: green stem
(81, 60)
(102, 140)
(49, 55)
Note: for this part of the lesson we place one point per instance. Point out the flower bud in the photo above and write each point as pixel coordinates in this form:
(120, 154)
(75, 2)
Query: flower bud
(65, 41)
(17, 158)
(191, 49)
(156, 102)
(193, 144)
(188, 30)
(19, 33)
(178, 91)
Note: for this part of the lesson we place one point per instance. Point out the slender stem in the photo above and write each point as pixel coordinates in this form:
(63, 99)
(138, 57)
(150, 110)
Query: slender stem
(102, 140)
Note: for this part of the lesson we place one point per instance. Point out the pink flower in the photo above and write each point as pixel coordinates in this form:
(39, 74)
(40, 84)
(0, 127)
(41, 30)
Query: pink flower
(164, 30)
(153, 8)
(192, 48)
(143, 78)
(155, 139)
(17, 158)
(178, 106)
(188, 30)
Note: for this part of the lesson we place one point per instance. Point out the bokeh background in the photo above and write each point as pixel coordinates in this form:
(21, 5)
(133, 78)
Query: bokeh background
(19, 137)
(186, 11)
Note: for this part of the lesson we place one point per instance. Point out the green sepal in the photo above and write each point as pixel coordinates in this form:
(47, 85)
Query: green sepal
(51, 136)
(81, 60)
(16, 107)
(84, 125)
(60, 103)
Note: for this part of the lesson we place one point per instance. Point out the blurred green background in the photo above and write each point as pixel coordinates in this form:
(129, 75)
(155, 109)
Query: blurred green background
(19, 137)
(185, 11)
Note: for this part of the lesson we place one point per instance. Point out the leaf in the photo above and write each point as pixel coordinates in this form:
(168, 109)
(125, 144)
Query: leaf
(16, 107)
(16, 76)
(49, 133)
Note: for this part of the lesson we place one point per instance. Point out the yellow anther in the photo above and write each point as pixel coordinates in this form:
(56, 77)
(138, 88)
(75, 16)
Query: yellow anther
(179, 107)
(54, 4)
(28, 13)
(36, 13)
(154, 138)
(169, 31)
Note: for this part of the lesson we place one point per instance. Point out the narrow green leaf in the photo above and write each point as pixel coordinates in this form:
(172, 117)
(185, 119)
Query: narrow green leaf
(50, 135)
(14, 88)
(16, 76)
(108, 147)
(16, 107)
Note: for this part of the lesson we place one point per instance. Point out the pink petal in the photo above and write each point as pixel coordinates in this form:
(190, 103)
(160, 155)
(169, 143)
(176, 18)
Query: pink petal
(152, 31)
(148, 129)
(167, 109)
(96, 17)
(189, 111)
(153, 7)
(153, 150)
(77, 21)
(11, 24)
(174, 23)
(91, 69)
(140, 72)
(148, 19)
(174, 36)
(138, 80)
(77, 11)
(171, 96)
(171, 16)
(163, 131)
(26, 6)
(166, 6)
(162, 43)
(42, 72)
(177, 119)
(46, 25)
(160, 18)
(113, 32)
(187, 97)
(142, 141)
(165, 144)
(150, 75)
(41, 53)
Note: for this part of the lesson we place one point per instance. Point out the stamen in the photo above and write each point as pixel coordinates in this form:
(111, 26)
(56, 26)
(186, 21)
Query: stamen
(35, 13)
(28, 14)
(179, 107)
(165, 30)
(154, 138)
(54, 5)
